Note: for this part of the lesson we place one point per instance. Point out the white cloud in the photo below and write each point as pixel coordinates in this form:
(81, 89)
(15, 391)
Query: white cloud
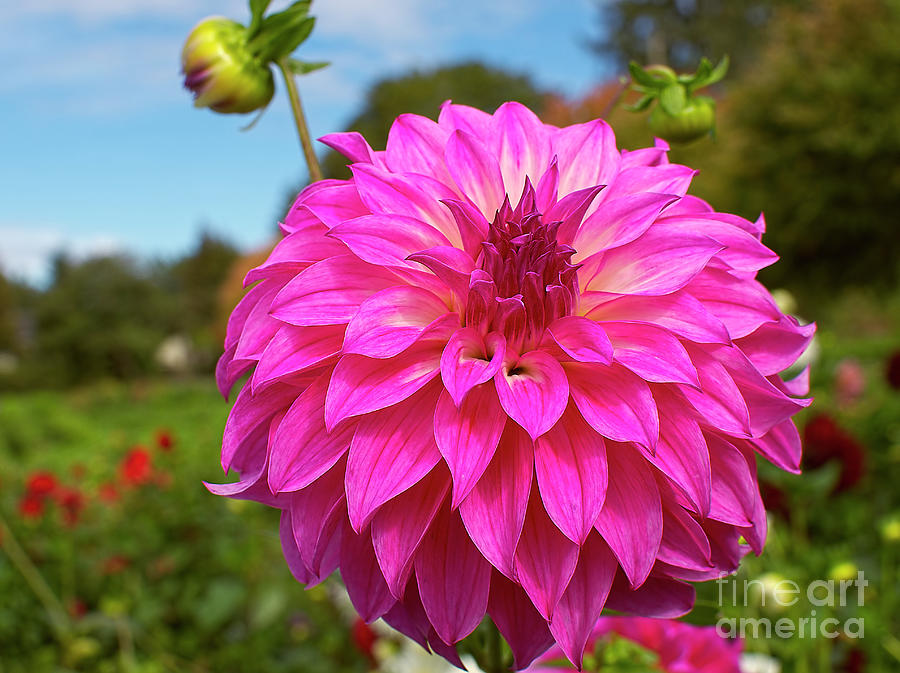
(26, 252)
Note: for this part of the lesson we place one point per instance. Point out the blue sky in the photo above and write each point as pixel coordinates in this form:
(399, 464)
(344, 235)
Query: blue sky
(101, 150)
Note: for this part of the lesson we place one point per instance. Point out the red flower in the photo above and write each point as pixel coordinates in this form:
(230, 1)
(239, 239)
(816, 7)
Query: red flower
(825, 440)
(892, 372)
(115, 564)
(108, 492)
(164, 440)
(71, 501)
(31, 507)
(77, 608)
(364, 638)
(41, 484)
(135, 468)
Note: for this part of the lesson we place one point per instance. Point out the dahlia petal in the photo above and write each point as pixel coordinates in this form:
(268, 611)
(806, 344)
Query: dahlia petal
(523, 147)
(351, 144)
(334, 202)
(451, 266)
(295, 252)
(732, 483)
(473, 227)
(545, 559)
(329, 292)
(315, 513)
(741, 304)
(227, 373)
(360, 384)
(570, 463)
(656, 263)
(476, 171)
(289, 549)
(469, 360)
(547, 190)
(465, 118)
(365, 584)
(399, 526)
(719, 400)
(391, 320)
(617, 222)
(411, 194)
(587, 155)
(683, 544)
(415, 144)
(743, 251)
(631, 519)
(387, 240)
(678, 312)
(682, 454)
(582, 339)
(519, 623)
(467, 436)
(781, 446)
(391, 450)
(408, 616)
(251, 411)
(453, 578)
(795, 387)
(494, 511)
(651, 353)
(774, 347)
(533, 392)
(250, 462)
(442, 649)
(302, 449)
(570, 211)
(579, 608)
(259, 328)
(646, 156)
(658, 597)
(293, 350)
(297, 218)
(666, 179)
(614, 402)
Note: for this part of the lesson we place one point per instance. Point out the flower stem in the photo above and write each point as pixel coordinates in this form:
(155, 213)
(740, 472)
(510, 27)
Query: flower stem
(312, 163)
(56, 613)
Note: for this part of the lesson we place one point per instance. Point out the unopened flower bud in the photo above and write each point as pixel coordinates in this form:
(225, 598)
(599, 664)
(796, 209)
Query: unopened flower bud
(696, 119)
(221, 71)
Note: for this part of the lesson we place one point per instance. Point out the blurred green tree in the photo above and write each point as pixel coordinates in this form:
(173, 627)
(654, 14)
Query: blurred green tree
(422, 92)
(8, 336)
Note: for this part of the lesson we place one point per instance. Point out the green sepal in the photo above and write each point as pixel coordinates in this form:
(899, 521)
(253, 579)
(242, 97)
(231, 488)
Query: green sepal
(641, 104)
(303, 67)
(709, 75)
(644, 78)
(281, 33)
(673, 99)
(257, 9)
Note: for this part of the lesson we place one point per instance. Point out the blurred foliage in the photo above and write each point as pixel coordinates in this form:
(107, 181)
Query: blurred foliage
(678, 33)
(422, 92)
(8, 333)
(153, 573)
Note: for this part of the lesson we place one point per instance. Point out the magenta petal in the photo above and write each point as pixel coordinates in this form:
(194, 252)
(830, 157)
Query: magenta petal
(523, 147)
(467, 436)
(408, 616)
(651, 352)
(415, 144)
(494, 511)
(399, 526)
(545, 559)
(587, 155)
(618, 221)
(795, 387)
(734, 487)
(579, 608)
(293, 350)
(391, 320)
(476, 172)
(615, 402)
(719, 399)
(391, 450)
(250, 412)
(316, 511)
(387, 240)
(302, 449)
(468, 361)
(519, 623)
(658, 597)
(741, 304)
(774, 347)
(631, 518)
(684, 543)
(330, 292)
(360, 384)
(451, 266)
(582, 339)
(781, 446)
(351, 144)
(453, 578)
(291, 554)
(331, 201)
(570, 463)
(664, 179)
(743, 252)
(534, 391)
(365, 584)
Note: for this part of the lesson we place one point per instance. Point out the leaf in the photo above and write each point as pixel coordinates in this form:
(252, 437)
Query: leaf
(642, 104)
(644, 78)
(257, 9)
(709, 76)
(673, 98)
(303, 67)
(281, 33)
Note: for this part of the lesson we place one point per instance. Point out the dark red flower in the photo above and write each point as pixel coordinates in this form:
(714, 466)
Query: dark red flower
(115, 564)
(364, 638)
(164, 440)
(135, 468)
(108, 492)
(824, 440)
(855, 662)
(31, 507)
(892, 372)
(76, 608)
(41, 484)
(71, 501)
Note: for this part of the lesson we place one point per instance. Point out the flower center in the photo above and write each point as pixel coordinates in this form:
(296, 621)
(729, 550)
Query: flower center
(526, 279)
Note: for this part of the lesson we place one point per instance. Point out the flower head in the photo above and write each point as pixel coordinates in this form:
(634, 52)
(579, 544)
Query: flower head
(668, 647)
(136, 468)
(42, 484)
(509, 369)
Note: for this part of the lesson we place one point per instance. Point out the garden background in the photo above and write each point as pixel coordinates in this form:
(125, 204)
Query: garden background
(109, 418)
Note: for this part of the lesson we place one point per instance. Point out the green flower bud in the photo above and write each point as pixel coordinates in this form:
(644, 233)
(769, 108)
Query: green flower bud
(696, 119)
(222, 71)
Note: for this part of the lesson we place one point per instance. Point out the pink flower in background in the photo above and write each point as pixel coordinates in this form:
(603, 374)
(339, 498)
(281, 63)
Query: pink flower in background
(509, 369)
(679, 647)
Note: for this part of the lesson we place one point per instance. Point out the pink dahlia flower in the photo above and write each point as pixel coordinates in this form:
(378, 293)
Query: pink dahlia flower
(674, 647)
(509, 369)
